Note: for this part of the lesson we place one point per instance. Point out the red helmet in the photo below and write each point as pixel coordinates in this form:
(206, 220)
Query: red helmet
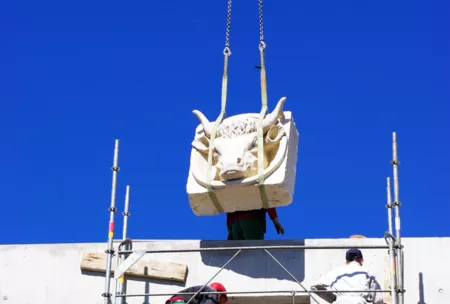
(219, 287)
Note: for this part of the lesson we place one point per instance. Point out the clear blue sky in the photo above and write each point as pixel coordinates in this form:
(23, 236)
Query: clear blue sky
(74, 77)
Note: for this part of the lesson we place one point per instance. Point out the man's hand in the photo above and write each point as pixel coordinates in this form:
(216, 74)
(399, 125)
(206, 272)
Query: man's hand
(230, 235)
(278, 226)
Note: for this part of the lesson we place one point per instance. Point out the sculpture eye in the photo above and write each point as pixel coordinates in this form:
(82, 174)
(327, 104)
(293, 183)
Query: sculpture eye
(255, 142)
(217, 149)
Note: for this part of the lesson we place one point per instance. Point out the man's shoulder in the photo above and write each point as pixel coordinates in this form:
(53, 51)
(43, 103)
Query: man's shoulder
(198, 287)
(341, 268)
(364, 270)
(351, 267)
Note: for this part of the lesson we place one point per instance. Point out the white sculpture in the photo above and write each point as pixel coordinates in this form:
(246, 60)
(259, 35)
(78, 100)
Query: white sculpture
(234, 176)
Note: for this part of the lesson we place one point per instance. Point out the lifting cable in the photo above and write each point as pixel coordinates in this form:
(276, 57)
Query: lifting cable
(262, 46)
(227, 53)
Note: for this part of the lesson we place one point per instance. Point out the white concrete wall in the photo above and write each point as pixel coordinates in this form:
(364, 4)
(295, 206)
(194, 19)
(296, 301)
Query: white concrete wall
(50, 273)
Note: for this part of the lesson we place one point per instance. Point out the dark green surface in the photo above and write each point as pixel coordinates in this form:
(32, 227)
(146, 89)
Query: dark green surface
(249, 229)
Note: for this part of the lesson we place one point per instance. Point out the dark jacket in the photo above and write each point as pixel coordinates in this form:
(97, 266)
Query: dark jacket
(199, 299)
(259, 213)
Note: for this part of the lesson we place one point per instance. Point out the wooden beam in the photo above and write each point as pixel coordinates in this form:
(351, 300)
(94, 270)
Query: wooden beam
(96, 262)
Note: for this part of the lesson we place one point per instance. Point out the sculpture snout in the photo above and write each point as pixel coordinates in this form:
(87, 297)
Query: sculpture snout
(235, 167)
(231, 166)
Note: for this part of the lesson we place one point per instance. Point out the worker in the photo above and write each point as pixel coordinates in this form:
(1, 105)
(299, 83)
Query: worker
(212, 298)
(251, 225)
(351, 276)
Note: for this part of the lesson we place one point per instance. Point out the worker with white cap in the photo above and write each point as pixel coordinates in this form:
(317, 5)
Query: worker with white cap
(352, 276)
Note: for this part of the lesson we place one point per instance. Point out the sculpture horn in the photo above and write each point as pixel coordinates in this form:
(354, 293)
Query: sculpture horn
(271, 118)
(207, 127)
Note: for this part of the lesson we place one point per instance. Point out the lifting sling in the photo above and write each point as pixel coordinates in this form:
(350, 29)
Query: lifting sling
(227, 53)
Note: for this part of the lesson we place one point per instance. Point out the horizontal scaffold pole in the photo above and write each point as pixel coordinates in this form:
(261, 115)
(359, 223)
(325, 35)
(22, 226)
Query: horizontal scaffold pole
(246, 292)
(289, 247)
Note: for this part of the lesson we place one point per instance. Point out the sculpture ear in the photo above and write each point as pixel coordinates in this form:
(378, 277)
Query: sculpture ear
(275, 134)
(201, 144)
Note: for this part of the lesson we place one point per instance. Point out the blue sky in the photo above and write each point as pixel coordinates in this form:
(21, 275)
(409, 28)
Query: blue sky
(76, 76)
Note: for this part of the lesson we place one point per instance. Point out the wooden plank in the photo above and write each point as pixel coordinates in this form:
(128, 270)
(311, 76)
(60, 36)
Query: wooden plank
(96, 262)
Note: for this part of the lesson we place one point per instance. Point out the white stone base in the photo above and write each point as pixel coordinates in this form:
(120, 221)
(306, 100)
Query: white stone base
(279, 185)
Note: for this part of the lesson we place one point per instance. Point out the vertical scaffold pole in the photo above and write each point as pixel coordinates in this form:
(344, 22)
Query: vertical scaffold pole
(125, 213)
(112, 209)
(397, 205)
(392, 264)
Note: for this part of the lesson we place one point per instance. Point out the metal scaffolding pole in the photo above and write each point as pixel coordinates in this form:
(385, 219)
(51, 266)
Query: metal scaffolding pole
(246, 248)
(215, 275)
(391, 244)
(126, 213)
(120, 283)
(292, 276)
(290, 292)
(397, 205)
(112, 209)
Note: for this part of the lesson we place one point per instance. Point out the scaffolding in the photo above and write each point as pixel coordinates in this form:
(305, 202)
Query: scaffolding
(393, 246)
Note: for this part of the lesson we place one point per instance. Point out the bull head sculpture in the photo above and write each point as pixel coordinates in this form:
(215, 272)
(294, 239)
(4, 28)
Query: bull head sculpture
(236, 144)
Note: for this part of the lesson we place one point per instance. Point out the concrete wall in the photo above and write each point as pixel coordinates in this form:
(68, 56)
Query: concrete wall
(50, 273)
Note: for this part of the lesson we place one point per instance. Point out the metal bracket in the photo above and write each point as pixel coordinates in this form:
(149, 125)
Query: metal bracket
(229, 261)
(130, 261)
(293, 296)
(291, 275)
(397, 246)
(393, 204)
